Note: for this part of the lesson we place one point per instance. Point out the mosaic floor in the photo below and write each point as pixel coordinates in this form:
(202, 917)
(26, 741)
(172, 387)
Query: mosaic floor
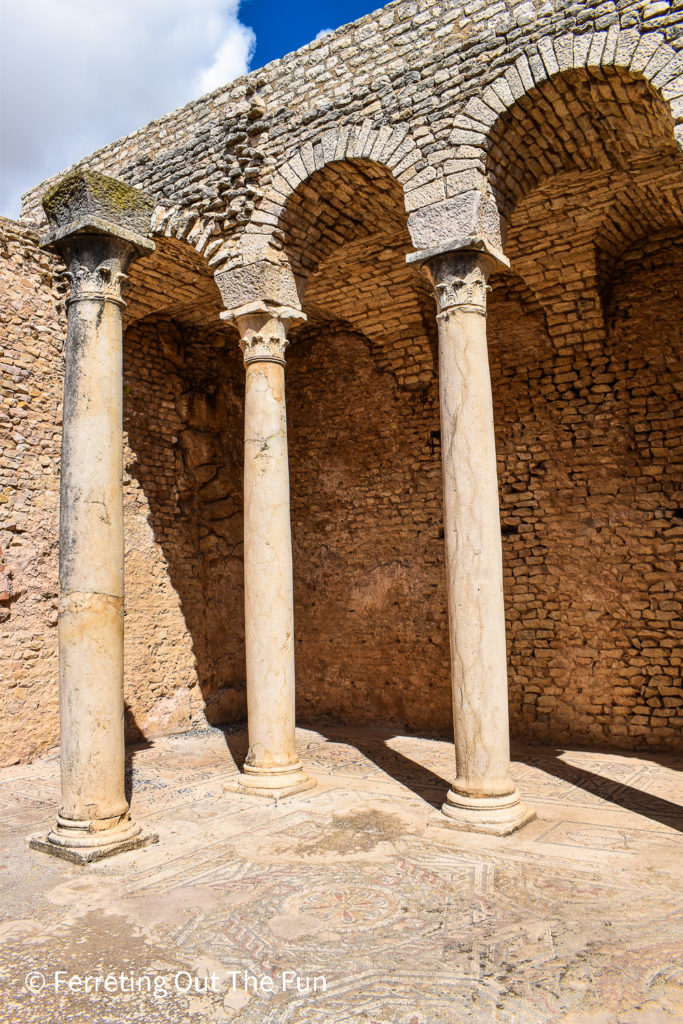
(351, 902)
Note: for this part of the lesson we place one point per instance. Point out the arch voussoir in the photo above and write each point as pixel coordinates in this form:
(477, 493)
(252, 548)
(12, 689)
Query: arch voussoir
(390, 146)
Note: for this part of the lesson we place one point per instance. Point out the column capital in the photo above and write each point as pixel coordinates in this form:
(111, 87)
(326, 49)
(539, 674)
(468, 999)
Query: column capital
(459, 272)
(263, 330)
(98, 226)
(96, 265)
(86, 202)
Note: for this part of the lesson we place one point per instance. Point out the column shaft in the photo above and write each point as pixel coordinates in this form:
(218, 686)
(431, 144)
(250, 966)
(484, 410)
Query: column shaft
(269, 609)
(483, 796)
(272, 766)
(91, 564)
(93, 820)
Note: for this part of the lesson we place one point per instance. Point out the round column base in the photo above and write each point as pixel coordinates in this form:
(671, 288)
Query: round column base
(494, 815)
(80, 842)
(275, 782)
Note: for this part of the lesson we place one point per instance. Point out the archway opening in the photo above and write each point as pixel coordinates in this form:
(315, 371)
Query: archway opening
(370, 603)
(183, 422)
(590, 180)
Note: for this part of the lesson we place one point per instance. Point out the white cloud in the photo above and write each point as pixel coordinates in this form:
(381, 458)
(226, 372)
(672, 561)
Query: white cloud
(322, 32)
(76, 74)
(230, 55)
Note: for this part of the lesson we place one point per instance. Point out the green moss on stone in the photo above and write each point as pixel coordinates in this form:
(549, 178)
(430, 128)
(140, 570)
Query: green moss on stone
(82, 193)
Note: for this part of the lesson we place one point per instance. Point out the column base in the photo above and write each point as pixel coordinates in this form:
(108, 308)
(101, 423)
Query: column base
(275, 783)
(494, 816)
(77, 842)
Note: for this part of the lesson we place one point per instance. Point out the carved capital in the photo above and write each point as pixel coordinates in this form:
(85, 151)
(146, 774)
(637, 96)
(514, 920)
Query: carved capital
(96, 266)
(461, 283)
(263, 340)
(459, 273)
(263, 331)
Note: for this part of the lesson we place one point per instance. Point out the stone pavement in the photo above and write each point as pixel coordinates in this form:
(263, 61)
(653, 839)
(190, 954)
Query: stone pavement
(576, 919)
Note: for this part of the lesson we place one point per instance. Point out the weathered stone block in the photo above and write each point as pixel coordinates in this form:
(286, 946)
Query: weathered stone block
(86, 200)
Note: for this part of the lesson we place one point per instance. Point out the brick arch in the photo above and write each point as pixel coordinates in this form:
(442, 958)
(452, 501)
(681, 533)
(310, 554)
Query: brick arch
(177, 277)
(186, 225)
(392, 147)
(644, 57)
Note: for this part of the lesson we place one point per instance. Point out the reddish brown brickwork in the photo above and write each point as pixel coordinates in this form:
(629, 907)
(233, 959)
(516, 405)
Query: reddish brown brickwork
(554, 130)
(590, 455)
(589, 452)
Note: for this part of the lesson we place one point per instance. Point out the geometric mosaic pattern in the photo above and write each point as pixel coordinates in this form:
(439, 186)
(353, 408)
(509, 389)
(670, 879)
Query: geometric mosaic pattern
(576, 919)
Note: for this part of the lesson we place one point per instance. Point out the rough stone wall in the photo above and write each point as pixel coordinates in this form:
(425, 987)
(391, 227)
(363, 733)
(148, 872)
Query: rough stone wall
(569, 114)
(184, 612)
(182, 510)
(31, 338)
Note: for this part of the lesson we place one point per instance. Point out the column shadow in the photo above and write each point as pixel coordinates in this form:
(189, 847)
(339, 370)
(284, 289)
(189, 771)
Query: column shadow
(432, 788)
(421, 781)
(135, 741)
(621, 794)
(236, 740)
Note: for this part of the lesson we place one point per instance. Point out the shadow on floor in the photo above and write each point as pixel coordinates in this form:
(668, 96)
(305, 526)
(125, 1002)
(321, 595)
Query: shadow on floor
(129, 776)
(432, 788)
(619, 793)
(237, 742)
(423, 782)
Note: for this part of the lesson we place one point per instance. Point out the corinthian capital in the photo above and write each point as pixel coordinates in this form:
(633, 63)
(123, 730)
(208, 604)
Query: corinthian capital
(461, 282)
(95, 266)
(263, 331)
(459, 273)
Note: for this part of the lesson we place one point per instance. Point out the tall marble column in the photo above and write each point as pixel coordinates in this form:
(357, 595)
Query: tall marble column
(94, 819)
(272, 767)
(483, 797)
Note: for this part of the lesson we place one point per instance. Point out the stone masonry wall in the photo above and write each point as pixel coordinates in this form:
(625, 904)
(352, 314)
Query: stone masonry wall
(31, 340)
(214, 165)
(570, 112)
(175, 552)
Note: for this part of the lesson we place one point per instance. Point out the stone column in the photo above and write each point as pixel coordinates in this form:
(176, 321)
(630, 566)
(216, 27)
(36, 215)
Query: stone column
(272, 767)
(94, 819)
(483, 797)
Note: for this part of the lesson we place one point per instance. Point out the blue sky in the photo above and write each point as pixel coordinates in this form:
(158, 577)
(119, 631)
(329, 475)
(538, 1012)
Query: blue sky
(77, 74)
(283, 27)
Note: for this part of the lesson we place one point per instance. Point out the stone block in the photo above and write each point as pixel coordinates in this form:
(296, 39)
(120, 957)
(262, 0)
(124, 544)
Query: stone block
(88, 201)
(257, 282)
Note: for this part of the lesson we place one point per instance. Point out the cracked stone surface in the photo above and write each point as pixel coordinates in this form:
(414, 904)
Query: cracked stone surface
(575, 919)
